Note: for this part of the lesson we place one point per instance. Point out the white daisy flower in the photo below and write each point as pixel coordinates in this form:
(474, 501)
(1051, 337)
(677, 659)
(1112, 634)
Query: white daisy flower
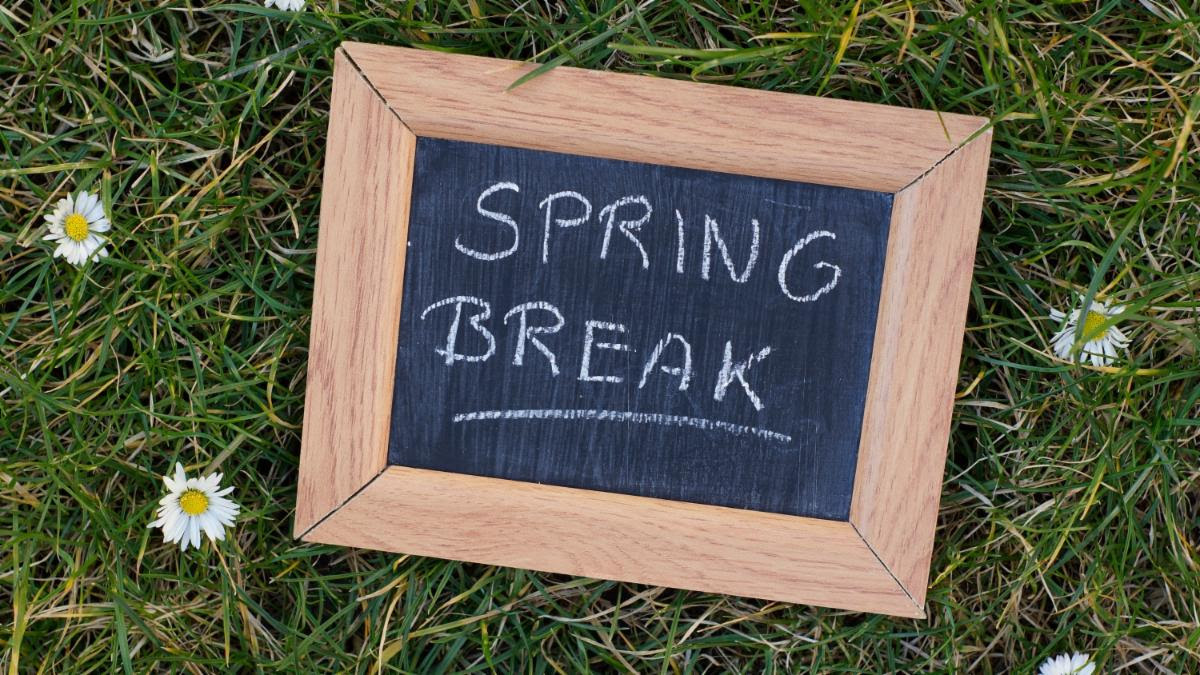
(192, 505)
(286, 5)
(1100, 345)
(1068, 664)
(75, 225)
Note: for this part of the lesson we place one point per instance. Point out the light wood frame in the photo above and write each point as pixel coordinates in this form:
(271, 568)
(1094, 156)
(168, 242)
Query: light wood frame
(935, 165)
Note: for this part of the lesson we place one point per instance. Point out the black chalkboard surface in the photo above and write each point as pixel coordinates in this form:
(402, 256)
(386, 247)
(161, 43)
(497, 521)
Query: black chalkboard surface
(636, 328)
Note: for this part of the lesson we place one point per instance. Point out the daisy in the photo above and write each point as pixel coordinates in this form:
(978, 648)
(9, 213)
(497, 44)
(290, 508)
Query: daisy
(1068, 664)
(1100, 344)
(75, 225)
(286, 5)
(192, 505)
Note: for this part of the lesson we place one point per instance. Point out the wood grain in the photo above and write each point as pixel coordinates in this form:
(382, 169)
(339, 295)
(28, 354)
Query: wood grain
(914, 367)
(356, 302)
(635, 539)
(662, 121)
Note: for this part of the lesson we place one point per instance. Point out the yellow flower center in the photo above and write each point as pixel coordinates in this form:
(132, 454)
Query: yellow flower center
(193, 502)
(1092, 325)
(76, 227)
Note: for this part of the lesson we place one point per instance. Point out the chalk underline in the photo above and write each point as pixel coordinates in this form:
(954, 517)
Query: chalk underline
(622, 416)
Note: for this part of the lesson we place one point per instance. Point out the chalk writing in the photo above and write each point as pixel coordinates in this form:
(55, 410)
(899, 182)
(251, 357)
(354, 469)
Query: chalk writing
(585, 365)
(712, 233)
(730, 371)
(629, 226)
(450, 351)
(494, 216)
(787, 259)
(621, 416)
(528, 332)
(562, 222)
(684, 372)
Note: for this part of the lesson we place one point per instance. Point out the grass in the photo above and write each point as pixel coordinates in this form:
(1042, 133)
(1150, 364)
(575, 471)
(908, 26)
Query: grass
(1070, 511)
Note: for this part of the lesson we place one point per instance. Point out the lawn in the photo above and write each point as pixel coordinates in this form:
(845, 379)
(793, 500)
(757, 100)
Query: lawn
(1070, 513)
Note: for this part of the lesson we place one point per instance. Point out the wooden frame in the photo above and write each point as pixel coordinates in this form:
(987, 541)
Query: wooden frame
(878, 560)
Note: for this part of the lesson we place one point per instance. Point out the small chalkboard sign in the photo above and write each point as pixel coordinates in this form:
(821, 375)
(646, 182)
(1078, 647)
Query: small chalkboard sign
(634, 328)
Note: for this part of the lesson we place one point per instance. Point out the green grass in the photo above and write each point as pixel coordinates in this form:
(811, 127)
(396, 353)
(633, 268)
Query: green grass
(1070, 511)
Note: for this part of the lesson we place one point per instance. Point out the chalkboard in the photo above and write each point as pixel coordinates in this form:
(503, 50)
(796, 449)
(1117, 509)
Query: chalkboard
(636, 328)
(602, 364)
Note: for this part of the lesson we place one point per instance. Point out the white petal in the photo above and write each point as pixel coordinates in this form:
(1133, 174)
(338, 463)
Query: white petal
(101, 225)
(167, 523)
(219, 498)
(212, 528)
(1057, 315)
(180, 476)
(176, 530)
(1062, 345)
(171, 512)
(226, 516)
(194, 532)
(223, 499)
